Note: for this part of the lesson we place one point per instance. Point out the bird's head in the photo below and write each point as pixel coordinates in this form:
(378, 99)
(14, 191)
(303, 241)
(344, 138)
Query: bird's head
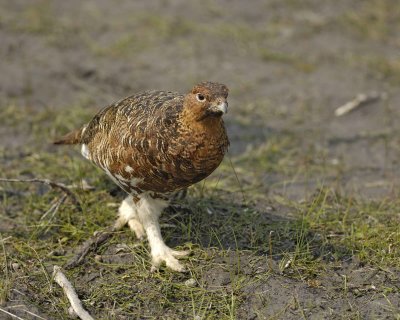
(207, 100)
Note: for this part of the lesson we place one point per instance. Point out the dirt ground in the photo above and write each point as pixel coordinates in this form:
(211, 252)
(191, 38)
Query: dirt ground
(301, 221)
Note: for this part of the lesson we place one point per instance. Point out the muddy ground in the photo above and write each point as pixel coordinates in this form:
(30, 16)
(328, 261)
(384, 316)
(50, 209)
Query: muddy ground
(306, 224)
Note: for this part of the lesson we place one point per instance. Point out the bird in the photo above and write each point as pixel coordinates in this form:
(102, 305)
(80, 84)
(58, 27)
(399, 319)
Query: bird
(153, 144)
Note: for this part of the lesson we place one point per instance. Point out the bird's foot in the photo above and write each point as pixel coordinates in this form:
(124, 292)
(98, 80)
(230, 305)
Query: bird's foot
(128, 215)
(137, 228)
(134, 224)
(169, 256)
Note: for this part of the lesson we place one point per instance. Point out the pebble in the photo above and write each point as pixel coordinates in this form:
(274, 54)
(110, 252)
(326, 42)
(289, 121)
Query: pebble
(190, 282)
(15, 266)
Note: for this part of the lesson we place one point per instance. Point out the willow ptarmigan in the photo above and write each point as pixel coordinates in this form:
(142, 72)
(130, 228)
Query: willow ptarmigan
(152, 144)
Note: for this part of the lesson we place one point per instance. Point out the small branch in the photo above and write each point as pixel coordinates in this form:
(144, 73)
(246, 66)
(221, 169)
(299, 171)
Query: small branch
(84, 185)
(3, 240)
(21, 306)
(11, 314)
(53, 209)
(361, 100)
(45, 226)
(6, 272)
(270, 261)
(54, 185)
(33, 314)
(89, 245)
(70, 292)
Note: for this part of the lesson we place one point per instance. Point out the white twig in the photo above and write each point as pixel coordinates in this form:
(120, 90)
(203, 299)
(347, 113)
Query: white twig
(34, 314)
(69, 290)
(5, 239)
(22, 308)
(84, 185)
(360, 100)
(11, 314)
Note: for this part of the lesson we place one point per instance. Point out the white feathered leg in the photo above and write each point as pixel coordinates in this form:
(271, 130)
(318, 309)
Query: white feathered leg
(128, 215)
(149, 210)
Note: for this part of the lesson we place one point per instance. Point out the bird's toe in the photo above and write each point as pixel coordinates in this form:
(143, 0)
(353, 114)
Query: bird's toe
(137, 228)
(168, 256)
(120, 223)
(174, 264)
(177, 253)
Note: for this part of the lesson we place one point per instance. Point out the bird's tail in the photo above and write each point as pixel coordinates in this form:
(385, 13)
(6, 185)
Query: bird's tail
(74, 137)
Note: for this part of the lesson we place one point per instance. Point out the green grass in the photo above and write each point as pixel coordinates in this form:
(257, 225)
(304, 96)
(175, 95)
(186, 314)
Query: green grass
(220, 227)
(297, 62)
(386, 68)
(376, 20)
(366, 229)
(327, 227)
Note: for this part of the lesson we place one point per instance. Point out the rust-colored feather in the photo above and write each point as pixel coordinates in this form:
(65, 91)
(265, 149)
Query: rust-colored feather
(154, 141)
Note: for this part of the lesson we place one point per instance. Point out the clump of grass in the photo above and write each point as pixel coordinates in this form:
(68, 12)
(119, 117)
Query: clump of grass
(36, 18)
(284, 58)
(367, 229)
(5, 282)
(45, 124)
(147, 31)
(376, 19)
(388, 68)
(285, 154)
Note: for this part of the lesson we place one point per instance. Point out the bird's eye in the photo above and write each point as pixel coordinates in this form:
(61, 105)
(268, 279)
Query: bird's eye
(200, 97)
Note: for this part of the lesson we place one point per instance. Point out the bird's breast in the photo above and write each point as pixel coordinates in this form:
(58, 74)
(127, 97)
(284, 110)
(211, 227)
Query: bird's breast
(200, 152)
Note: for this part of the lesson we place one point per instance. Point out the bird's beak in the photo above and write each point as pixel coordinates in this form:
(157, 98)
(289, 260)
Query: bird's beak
(220, 108)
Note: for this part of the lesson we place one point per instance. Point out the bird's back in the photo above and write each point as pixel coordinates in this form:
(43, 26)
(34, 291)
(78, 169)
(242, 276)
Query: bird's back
(133, 116)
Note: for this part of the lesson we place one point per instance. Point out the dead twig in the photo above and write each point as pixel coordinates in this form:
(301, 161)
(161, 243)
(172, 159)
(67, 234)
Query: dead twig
(84, 185)
(33, 314)
(11, 314)
(270, 261)
(89, 245)
(70, 292)
(22, 308)
(45, 225)
(53, 209)
(54, 185)
(360, 100)
(3, 240)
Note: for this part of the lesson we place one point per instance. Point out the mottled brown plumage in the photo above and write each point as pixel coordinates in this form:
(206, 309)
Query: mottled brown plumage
(156, 142)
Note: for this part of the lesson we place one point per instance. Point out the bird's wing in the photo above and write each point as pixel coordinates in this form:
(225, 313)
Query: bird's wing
(134, 117)
(129, 139)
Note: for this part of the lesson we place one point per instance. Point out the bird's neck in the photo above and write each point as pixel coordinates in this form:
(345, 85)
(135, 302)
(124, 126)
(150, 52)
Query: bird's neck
(209, 125)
